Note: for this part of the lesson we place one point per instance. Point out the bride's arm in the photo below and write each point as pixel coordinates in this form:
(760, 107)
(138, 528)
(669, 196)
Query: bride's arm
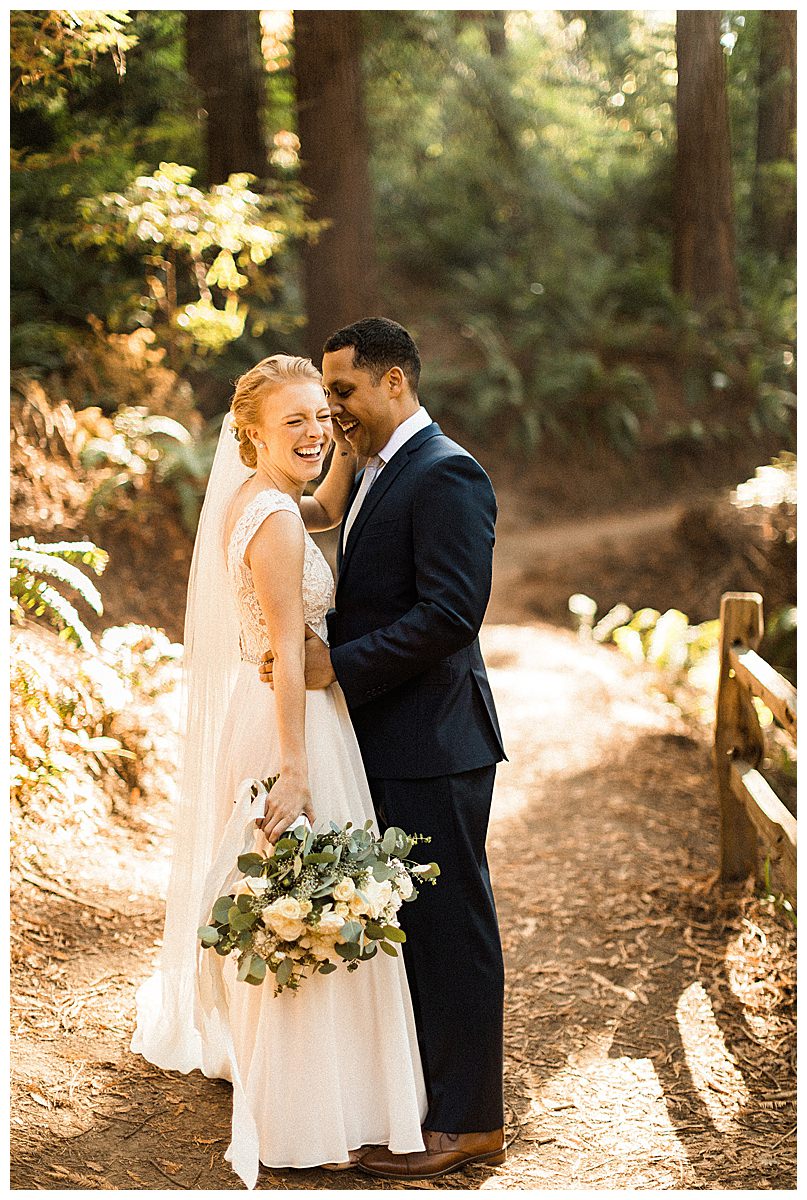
(326, 507)
(275, 557)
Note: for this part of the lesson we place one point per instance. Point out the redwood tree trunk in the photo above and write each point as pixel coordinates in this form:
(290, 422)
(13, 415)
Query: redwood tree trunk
(704, 267)
(774, 210)
(224, 60)
(495, 32)
(339, 268)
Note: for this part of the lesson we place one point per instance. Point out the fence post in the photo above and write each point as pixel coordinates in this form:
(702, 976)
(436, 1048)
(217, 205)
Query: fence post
(737, 734)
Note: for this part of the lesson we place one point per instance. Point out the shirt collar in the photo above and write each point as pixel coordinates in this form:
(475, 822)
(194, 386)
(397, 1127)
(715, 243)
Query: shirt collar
(406, 430)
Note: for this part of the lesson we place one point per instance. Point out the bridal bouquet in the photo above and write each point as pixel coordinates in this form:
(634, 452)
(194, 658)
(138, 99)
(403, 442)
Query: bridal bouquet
(316, 900)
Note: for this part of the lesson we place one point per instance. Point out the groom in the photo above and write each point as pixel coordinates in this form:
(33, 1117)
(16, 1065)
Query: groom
(414, 571)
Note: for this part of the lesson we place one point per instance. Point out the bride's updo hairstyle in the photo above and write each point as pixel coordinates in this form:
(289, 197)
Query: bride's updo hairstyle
(251, 388)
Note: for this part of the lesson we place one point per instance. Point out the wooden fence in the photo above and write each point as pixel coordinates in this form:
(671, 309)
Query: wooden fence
(752, 817)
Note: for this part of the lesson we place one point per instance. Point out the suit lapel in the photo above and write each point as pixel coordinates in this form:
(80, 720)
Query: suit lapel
(380, 487)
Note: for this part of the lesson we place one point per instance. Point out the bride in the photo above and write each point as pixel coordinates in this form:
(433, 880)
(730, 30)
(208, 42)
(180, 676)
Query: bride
(318, 1073)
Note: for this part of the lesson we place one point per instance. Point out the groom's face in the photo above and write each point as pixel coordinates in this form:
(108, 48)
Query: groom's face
(366, 411)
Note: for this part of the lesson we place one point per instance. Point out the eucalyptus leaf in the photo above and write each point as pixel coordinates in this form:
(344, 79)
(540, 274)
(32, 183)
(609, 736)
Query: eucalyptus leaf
(394, 933)
(208, 935)
(284, 970)
(326, 968)
(350, 931)
(244, 967)
(257, 972)
(388, 949)
(221, 909)
(389, 839)
(245, 861)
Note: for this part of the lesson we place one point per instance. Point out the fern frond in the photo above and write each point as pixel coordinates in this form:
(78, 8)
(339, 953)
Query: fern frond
(62, 612)
(35, 562)
(86, 552)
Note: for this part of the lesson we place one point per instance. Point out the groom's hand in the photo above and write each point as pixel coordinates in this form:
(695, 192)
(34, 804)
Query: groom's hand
(318, 670)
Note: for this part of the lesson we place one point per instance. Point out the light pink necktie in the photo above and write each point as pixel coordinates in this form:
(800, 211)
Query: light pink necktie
(374, 464)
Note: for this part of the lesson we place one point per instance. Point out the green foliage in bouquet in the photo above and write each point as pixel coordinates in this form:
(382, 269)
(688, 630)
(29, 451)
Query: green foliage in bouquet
(318, 899)
(34, 564)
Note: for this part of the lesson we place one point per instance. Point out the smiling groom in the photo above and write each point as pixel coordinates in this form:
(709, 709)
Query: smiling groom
(414, 573)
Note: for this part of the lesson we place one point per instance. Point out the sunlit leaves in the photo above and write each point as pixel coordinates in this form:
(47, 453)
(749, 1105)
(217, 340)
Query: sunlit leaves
(34, 565)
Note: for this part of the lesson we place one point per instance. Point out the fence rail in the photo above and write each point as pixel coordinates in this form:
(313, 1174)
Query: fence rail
(752, 817)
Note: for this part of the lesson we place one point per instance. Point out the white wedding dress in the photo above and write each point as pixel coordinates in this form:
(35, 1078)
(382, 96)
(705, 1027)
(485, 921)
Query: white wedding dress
(335, 1065)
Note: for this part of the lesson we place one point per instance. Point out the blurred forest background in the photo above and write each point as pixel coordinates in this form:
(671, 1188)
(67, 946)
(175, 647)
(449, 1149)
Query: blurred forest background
(587, 221)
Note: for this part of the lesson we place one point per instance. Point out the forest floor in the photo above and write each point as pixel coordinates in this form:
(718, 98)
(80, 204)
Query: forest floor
(650, 1024)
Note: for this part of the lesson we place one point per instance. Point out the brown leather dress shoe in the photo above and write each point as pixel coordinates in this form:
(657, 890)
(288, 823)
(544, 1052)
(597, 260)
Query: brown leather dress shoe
(444, 1152)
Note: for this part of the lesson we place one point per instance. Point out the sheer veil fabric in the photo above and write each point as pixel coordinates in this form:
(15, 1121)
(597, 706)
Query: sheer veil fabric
(166, 1032)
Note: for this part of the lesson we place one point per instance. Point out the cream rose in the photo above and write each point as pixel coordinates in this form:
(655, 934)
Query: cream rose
(283, 916)
(358, 906)
(344, 889)
(342, 909)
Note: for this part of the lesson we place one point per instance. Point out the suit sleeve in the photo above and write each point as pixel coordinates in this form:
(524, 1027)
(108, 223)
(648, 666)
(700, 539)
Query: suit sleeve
(454, 519)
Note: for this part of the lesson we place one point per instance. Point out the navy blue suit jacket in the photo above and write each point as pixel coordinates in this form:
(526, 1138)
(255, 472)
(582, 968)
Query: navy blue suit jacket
(413, 586)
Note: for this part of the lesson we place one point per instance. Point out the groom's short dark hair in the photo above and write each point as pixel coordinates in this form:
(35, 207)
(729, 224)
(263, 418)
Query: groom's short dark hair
(378, 344)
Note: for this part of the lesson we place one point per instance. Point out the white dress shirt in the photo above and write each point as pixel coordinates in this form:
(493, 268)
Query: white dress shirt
(406, 430)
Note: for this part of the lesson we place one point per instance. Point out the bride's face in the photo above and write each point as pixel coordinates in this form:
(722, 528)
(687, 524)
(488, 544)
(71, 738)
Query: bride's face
(295, 429)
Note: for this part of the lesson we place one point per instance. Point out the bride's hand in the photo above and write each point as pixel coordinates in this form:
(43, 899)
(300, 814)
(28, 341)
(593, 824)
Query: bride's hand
(284, 804)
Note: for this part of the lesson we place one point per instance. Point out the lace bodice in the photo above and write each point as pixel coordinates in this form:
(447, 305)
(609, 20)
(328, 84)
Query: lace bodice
(317, 576)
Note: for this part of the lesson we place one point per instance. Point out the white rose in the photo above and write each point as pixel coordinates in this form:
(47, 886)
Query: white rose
(342, 909)
(404, 884)
(329, 926)
(344, 889)
(286, 906)
(306, 907)
(378, 896)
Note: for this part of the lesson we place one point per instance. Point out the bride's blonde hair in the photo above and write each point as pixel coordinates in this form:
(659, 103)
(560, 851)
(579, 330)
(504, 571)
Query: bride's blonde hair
(245, 406)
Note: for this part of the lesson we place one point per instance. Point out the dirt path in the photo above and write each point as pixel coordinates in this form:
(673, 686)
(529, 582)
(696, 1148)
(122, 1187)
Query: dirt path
(650, 1027)
(524, 552)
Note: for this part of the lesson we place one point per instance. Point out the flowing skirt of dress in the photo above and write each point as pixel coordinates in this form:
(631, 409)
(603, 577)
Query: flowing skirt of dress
(335, 1065)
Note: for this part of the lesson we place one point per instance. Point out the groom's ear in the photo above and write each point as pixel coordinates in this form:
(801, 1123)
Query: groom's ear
(397, 380)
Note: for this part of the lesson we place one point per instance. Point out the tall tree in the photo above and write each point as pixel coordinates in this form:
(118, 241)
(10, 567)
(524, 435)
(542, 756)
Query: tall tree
(340, 267)
(495, 32)
(704, 267)
(774, 209)
(224, 60)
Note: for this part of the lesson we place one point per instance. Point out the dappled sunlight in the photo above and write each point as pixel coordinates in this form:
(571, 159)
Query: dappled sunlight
(627, 1123)
(713, 1071)
(563, 698)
